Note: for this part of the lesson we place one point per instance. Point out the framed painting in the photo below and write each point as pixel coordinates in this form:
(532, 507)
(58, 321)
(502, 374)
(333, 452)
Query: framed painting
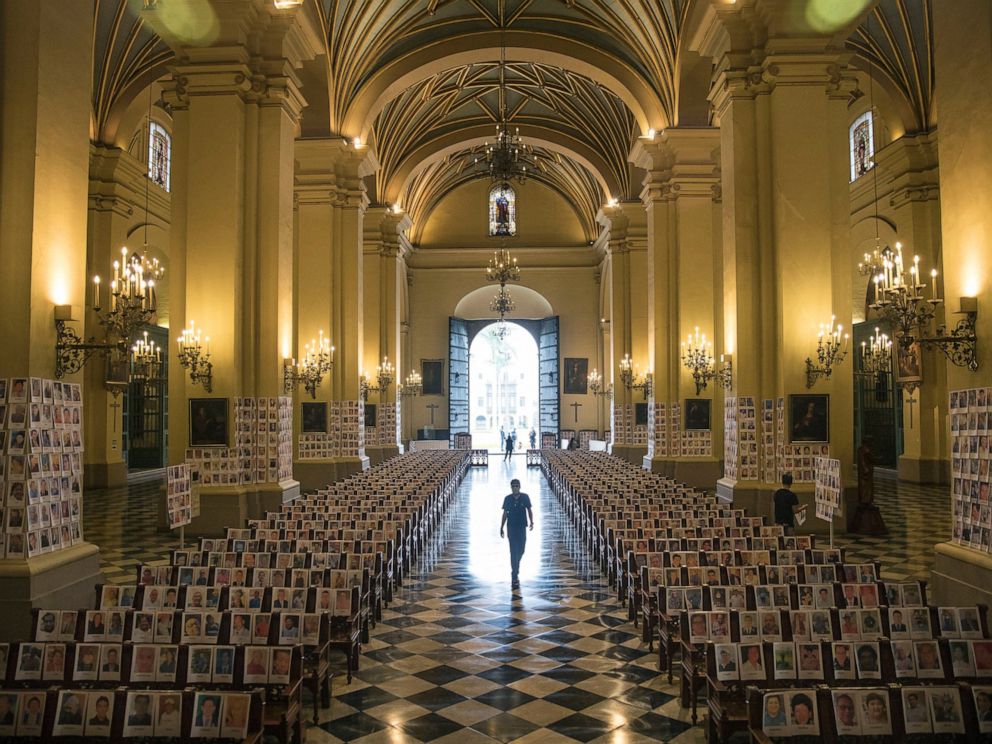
(208, 419)
(909, 364)
(313, 418)
(575, 376)
(640, 414)
(432, 374)
(370, 415)
(698, 414)
(809, 418)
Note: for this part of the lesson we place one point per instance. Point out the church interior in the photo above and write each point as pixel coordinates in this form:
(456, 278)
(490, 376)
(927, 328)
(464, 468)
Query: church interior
(291, 290)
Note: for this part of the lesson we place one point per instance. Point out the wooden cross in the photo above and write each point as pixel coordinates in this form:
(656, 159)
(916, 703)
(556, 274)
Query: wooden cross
(576, 407)
(115, 405)
(433, 407)
(911, 402)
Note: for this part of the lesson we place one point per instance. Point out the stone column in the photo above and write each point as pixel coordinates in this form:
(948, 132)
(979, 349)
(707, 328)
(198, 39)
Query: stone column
(625, 271)
(963, 51)
(47, 48)
(236, 108)
(385, 276)
(329, 291)
(681, 198)
(782, 112)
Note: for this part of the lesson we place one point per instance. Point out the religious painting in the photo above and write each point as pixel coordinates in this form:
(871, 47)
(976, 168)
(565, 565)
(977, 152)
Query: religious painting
(313, 418)
(502, 211)
(576, 376)
(809, 418)
(370, 415)
(697, 414)
(909, 363)
(208, 422)
(432, 374)
(640, 414)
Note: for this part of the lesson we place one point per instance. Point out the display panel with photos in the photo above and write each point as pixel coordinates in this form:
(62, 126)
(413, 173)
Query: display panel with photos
(970, 412)
(41, 471)
(178, 495)
(827, 491)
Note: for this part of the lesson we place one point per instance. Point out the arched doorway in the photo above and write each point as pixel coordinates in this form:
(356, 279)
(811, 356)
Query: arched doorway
(535, 317)
(503, 386)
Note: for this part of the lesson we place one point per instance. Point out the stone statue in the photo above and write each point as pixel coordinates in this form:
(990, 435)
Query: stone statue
(866, 473)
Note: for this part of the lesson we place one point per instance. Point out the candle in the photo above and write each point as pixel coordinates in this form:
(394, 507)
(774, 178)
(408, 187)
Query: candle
(933, 284)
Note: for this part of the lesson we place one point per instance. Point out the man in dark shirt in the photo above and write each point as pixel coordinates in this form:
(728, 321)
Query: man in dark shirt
(517, 514)
(786, 505)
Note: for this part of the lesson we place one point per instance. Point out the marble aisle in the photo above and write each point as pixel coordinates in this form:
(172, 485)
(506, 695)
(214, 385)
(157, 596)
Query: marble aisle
(459, 657)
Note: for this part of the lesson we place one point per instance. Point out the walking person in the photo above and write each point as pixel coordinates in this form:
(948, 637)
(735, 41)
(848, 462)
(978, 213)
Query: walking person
(533, 439)
(509, 446)
(517, 514)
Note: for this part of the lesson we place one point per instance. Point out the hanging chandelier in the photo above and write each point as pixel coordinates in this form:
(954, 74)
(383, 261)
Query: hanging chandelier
(502, 267)
(502, 304)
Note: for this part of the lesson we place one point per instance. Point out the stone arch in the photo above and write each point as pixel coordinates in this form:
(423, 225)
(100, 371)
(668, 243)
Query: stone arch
(521, 46)
(530, 304)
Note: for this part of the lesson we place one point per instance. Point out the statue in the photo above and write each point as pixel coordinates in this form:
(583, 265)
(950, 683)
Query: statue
(866, 473)
(867, 519)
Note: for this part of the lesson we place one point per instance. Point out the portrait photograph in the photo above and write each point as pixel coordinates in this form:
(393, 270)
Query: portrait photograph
(909, 363)
(208, 422)
(809, 418)
(575, 376)
(432, 374)
(370, 415)
(697, 414)
(313, 418)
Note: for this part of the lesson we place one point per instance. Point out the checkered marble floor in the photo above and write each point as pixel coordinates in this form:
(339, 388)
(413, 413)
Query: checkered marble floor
(917, 517)
(460, 657)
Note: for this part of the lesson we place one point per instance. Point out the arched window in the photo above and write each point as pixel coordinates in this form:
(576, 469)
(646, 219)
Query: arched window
(159, 154)
(862, 146)
(502, 211)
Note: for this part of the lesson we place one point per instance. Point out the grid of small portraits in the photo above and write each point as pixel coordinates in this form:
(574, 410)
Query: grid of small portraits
(740, 438)
(41, 445)
(730, 434)
(971, 433)
(345, 434)
(178, 495)
(658, 415)
(625, 426)
(675, 428)
(263, 435)
(800, 460)
(828, 487)
(768, 473)
(385, 431)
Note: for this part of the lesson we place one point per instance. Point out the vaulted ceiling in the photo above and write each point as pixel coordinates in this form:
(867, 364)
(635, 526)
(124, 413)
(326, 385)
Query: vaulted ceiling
(419, 80)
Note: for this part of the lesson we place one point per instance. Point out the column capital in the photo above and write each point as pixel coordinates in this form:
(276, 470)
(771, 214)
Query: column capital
(329, 170)
(679, 162)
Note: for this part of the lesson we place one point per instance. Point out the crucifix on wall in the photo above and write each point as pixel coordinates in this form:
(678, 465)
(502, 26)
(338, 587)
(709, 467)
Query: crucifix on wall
(115, 405)
(576, 407)
(433, 407)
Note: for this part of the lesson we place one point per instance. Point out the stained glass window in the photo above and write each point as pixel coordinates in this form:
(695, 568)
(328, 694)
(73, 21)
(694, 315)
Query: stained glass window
(159, 154)
(862, 146)
(502, 210)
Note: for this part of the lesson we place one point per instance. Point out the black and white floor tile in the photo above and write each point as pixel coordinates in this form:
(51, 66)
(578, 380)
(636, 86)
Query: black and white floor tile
(460, 657)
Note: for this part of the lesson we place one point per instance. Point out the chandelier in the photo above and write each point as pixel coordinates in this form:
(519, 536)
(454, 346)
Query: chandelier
(131, 305)
(508, 158)
(876, 355)
(632, 380)
(195, 357)
(831, 349)
(900, 297)
(146, 359)
(596, 385)
(412, 387)
(317, 360)
(502, 268)
(385, 373)
(502, 304)
(697, 357)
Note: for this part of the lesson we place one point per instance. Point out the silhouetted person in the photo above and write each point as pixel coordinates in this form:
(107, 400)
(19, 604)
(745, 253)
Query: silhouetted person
(517, 513)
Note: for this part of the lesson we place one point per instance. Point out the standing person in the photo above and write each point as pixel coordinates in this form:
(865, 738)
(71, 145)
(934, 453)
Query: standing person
(533, 439)
(502, 438)
(509, 446)
(786, 505)
(517, 513)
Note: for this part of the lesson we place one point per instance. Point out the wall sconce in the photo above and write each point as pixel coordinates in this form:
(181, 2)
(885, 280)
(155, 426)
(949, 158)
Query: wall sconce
(900, 299)
(596, 385)
(317, 361)
(385, 373)
(412, 387)
(697, 357)
(195, 357)
(632, 381)
(831, 349)
(132, 305)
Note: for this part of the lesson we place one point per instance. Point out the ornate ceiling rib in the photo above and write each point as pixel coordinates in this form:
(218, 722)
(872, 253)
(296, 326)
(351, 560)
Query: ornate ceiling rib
(127, 55)
(562, 174)
(899, 43)
(540, 98)
(365, 37)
